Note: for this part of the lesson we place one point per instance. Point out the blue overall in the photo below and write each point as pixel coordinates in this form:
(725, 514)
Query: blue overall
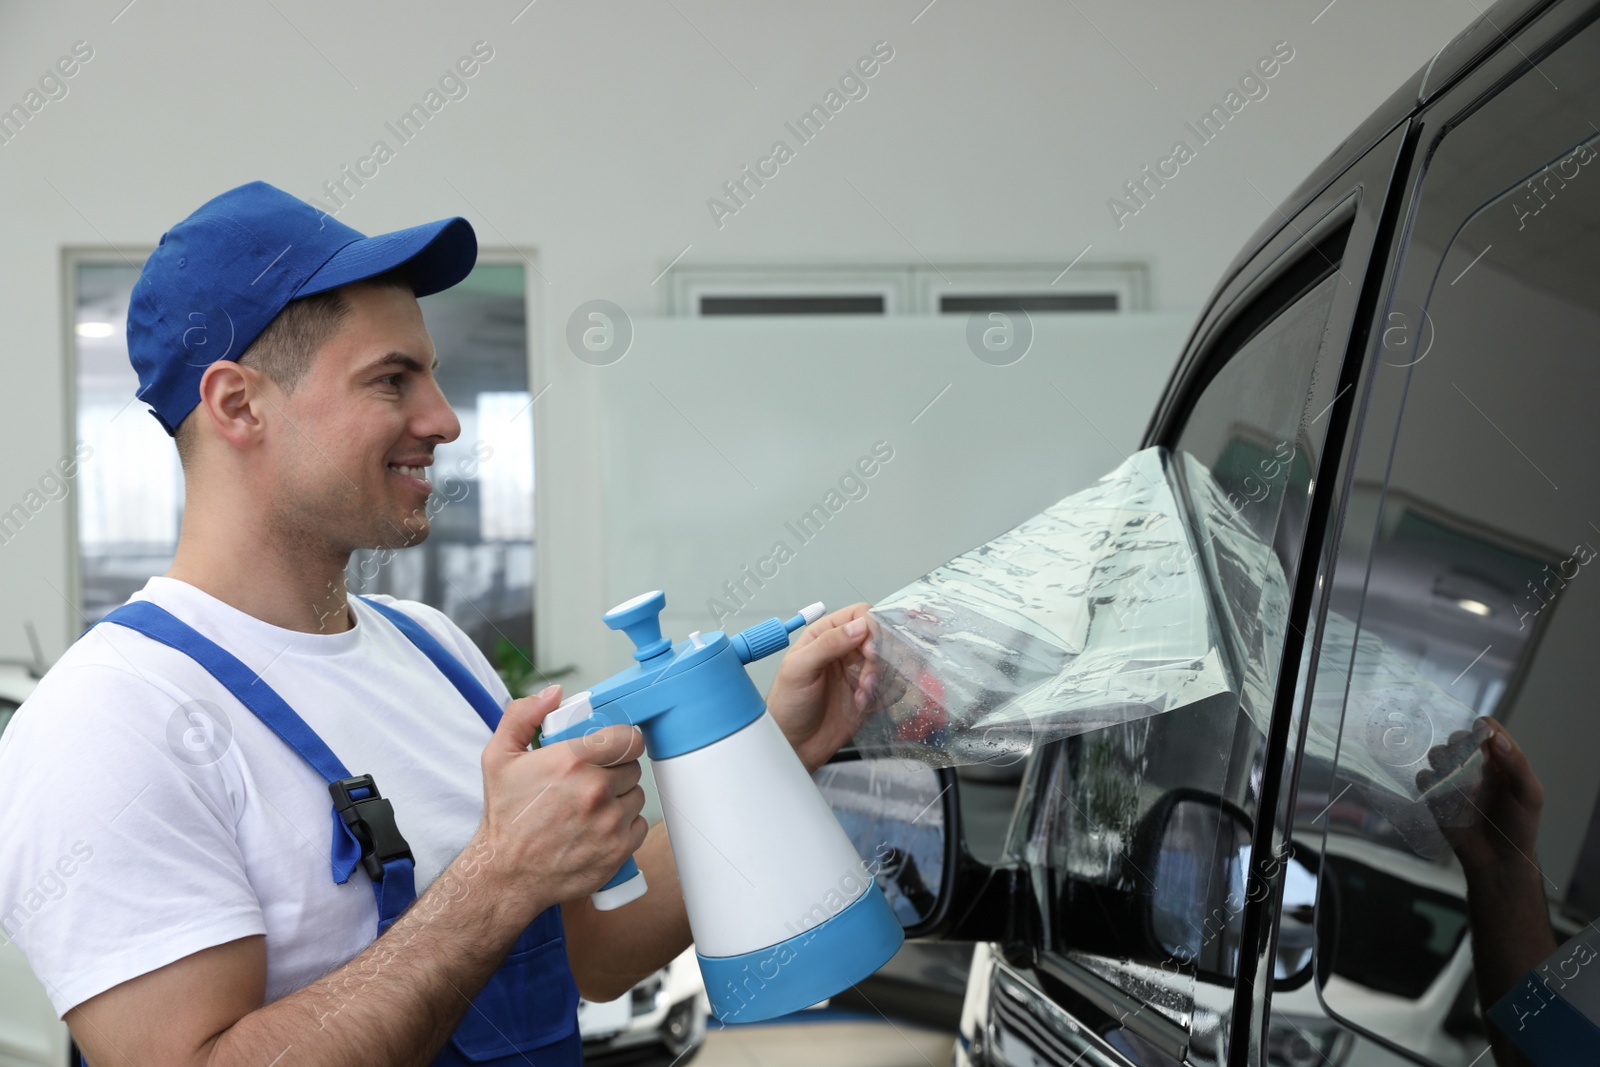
(530, 1004)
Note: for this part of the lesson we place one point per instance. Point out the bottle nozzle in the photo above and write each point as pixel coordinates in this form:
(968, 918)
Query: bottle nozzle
(808, 615)
(765, 638)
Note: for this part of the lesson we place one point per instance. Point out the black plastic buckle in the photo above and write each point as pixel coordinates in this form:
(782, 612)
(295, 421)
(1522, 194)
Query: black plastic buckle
(371, 820)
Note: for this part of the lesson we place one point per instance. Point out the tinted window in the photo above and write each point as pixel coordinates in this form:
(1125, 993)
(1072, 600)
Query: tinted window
(1468, 587)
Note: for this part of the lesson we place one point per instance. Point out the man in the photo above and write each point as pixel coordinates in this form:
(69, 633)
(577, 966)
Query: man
(166, 834)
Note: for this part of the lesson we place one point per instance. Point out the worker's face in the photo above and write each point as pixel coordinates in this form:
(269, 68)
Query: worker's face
(368, 406)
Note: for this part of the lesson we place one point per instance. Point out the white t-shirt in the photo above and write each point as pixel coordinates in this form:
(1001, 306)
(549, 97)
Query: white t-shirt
(134, 831)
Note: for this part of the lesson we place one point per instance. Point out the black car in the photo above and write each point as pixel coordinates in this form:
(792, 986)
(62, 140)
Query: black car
(1399, 379)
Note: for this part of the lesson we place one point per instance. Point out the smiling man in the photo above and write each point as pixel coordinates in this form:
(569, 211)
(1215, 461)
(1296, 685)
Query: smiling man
(304, 827)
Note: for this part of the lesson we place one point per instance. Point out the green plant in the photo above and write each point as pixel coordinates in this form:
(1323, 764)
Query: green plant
(514, 663)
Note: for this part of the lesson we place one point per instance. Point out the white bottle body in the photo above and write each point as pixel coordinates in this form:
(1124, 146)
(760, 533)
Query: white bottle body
(760, 855)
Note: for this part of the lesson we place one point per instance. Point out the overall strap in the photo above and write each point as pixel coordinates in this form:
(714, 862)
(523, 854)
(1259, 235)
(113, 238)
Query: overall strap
(464, 680)
(393, 875)
(527, 978)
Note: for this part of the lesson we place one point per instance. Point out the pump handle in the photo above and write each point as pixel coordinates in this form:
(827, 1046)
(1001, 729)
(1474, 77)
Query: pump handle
(640, 619)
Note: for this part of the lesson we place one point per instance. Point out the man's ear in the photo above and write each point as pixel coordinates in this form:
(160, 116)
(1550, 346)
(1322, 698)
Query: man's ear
(232, 402)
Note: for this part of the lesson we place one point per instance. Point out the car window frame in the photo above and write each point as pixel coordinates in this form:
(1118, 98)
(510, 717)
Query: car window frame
(1374, 184)
(1360, 198)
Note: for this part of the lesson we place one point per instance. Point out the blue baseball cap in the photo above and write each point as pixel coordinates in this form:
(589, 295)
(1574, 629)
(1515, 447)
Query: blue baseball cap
(219, 277)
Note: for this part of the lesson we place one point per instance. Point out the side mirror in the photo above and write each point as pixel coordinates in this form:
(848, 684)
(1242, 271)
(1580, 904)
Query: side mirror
(1200, 869)
(900, 815)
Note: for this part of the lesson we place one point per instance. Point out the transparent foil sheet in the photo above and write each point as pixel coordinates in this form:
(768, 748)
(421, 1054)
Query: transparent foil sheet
(1092, 613)
(1410, 750)
(1122, 602)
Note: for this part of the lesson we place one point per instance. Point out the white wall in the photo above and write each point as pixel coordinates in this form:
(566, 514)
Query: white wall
(592, 140)
(702, 481)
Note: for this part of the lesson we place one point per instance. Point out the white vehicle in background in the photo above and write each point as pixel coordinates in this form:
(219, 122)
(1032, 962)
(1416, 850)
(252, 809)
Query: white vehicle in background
(662, 1017)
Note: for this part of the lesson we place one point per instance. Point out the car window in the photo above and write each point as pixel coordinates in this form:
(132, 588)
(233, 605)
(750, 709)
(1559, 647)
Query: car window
(7, 709)
(1167, 801)
(1467, 586)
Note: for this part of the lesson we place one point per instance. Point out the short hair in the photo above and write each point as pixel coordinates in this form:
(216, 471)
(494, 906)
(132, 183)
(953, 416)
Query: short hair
(284, 350)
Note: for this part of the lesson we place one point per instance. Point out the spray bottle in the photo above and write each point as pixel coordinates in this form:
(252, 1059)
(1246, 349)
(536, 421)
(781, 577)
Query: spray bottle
(782, 907)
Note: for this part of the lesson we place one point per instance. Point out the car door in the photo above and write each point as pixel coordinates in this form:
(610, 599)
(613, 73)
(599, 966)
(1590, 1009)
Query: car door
(1460, 585)
(1145, 843)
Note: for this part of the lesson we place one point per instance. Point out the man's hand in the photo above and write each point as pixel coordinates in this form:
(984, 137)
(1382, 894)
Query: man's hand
(561, 819)
(557, 824)
(1502, 824)
(824, 686)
